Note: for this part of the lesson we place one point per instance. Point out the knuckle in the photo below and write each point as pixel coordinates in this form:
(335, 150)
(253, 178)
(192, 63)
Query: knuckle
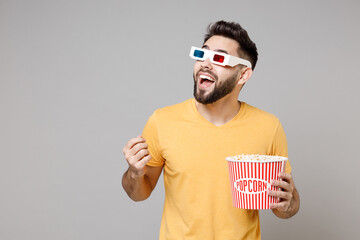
(135, 148)
(144, 146)
(132, 141)
(283, 195)
(140, 147)
(131, 160)
(127, 153)
(143, 152)
(147, 158)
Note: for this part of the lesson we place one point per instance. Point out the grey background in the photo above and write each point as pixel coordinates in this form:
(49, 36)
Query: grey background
(80, 78)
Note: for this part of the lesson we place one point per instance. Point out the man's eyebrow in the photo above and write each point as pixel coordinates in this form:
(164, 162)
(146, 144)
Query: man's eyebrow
(216, 50)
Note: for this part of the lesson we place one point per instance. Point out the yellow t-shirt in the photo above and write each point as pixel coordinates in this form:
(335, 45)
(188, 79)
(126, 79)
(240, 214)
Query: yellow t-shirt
(198, 203)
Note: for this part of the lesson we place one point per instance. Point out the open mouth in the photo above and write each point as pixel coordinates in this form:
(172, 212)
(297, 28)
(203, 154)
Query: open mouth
(205, 81)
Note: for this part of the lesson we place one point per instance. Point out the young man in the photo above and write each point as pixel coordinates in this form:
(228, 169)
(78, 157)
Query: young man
(191, 140)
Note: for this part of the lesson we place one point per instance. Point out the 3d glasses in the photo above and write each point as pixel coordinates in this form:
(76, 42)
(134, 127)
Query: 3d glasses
(218, 58)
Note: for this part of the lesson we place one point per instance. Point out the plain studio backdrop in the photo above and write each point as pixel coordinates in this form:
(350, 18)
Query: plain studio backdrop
(78, 79)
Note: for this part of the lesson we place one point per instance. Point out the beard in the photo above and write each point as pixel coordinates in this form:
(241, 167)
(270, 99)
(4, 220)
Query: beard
(221, 89)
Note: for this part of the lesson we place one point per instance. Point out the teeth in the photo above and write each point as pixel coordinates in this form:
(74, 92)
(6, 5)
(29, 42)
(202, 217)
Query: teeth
(206, 77)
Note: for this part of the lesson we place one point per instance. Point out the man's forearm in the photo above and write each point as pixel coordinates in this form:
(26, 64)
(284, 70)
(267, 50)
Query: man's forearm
(137, 188)
(293, 208)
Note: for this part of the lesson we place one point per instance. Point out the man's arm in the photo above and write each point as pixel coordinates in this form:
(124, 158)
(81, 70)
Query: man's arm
(290, 199)
(139, 180)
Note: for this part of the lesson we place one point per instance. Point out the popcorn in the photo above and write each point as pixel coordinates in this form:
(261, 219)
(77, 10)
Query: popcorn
(255, 157)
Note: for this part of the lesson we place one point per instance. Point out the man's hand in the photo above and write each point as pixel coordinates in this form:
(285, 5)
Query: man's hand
(289, 197)
(137, 155)
(139, 180)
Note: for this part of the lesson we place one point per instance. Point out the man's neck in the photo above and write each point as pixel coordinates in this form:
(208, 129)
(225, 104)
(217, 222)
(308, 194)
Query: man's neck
(219, 112)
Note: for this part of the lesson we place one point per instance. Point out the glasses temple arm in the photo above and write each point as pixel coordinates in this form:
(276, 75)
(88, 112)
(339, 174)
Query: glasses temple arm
(233, 61)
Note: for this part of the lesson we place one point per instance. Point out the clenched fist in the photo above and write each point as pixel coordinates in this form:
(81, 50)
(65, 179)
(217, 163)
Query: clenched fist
(137, 155)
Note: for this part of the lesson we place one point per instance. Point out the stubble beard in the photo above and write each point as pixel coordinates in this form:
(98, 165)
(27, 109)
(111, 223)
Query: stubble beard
(221, 89)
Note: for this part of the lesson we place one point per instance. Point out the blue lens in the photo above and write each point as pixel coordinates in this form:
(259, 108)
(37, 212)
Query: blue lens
(198, 53)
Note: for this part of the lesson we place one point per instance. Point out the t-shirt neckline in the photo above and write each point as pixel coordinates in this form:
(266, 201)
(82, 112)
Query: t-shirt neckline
(228, 124)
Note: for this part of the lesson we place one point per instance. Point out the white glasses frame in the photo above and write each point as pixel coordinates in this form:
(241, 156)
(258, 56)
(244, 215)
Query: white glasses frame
(228, 59)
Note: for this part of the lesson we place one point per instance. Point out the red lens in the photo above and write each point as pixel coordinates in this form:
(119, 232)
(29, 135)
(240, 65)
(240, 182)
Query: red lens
(218, 58)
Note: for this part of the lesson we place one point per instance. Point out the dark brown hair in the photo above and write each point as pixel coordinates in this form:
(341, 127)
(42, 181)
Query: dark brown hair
(247, 49)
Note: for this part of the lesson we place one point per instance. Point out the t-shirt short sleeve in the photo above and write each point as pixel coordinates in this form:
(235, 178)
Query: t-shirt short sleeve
(151, 135)
(279, 146)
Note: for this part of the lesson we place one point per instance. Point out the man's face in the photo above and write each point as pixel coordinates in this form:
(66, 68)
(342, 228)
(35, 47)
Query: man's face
(213, 82)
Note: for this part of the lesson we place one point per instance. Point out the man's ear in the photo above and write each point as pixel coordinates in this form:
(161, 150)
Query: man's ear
(246, 74)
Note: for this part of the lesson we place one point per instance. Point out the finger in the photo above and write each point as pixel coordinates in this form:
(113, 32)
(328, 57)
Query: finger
(138, 156)
(286, 177)
(280, 194)
(134, 141)
(140, 165)
(282, 206)
(137, 147)
(282, 184)
(144, 161)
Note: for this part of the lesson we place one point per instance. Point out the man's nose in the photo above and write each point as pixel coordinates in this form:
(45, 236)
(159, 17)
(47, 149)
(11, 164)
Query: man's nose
(206, 63)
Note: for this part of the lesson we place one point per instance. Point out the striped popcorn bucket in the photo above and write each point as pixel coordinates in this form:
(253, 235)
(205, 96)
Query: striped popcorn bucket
(250, 177)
